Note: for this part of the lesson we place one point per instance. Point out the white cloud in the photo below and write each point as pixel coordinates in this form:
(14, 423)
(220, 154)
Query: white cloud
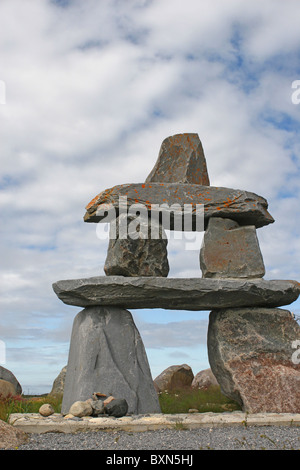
(174, 334)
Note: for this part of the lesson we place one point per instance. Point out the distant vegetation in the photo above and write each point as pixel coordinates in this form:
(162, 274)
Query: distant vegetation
(183, 400)
(27, 404)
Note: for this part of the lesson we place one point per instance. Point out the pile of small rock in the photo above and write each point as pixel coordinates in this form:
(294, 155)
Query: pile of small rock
(99, 405)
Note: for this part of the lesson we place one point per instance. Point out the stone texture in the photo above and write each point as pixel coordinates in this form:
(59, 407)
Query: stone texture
(117, 407)
(244, 207)
(81, 408)
(230, 251)
(250, 353)
(99, 396)
(175, 293)
(174, 377)
(107, 400)
(204, 379)
(11, 437)
(7, 389)
(98, 407)
(46, 410)
(59, 383)
(107, 354)
(181, 160)
(137, 254)
(6, 374)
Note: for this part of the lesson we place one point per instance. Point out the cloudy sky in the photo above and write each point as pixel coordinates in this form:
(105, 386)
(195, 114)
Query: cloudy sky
(88, 91)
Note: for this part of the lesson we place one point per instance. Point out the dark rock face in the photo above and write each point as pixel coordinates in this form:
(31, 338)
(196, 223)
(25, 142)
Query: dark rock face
(137, 254)
(181, 160)
(175, 293)
(174, 377)
(244, 207)
(107, 354)
(7, 375)
(98, 407)
(59, 382)
(251, 355)
(117, 407)
(230, 251)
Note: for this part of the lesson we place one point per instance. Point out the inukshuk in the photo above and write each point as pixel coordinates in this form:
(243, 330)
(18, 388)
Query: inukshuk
(250, 339)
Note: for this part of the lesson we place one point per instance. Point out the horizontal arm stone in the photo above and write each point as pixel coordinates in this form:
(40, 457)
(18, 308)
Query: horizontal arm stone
(175, 293)
(245, 207)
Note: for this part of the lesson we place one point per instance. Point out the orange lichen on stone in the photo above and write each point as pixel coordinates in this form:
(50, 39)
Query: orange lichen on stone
(93, 201)
(181, 160)
(101, 196)
(248, 208)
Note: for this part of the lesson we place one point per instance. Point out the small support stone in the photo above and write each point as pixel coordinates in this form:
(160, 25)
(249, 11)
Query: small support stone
(137, 247)
(230, 251)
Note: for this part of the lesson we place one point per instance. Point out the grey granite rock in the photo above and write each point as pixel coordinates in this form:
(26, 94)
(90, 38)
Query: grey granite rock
(133, 249)
(59, 382)
(170, 199)
(230, 251)
(80, 408)
(175, 293)
(181, 160)
(98, 407)
(250, 352)
(204, 380)
(174, 378)
(107, 354)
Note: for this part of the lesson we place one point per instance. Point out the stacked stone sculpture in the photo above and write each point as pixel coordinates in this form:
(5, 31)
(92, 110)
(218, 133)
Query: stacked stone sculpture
(250, 340)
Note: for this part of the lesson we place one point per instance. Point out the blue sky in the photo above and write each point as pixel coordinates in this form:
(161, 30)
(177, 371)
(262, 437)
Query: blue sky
(92, 89)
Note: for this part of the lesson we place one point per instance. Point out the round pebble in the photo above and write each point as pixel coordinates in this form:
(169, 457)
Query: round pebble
(46, 410)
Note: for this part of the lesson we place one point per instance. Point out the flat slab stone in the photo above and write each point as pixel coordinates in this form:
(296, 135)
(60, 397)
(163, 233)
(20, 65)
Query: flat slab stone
(181, 160)
(245, 207)
(175, 293)
(35, 423)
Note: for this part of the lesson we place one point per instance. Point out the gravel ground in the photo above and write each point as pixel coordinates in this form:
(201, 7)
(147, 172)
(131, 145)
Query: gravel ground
(222, 438)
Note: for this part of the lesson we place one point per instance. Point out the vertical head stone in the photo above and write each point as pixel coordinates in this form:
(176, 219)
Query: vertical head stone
(181, 160)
